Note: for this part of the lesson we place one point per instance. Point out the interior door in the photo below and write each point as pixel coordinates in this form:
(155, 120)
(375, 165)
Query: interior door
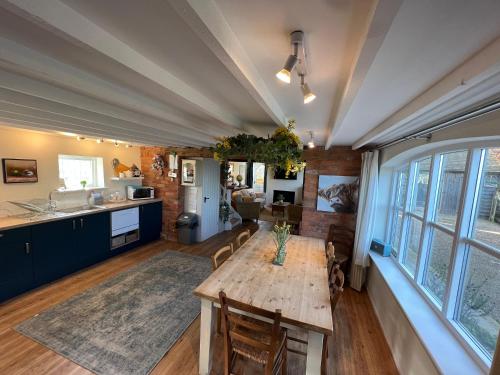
(258, 176)
(210, 199)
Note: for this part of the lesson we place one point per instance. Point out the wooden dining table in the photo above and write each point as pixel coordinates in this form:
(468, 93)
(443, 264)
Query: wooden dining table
(299, 289)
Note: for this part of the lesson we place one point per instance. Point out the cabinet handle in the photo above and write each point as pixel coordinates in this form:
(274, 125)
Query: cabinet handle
(81, 223)
(27, 247)
(74, 224)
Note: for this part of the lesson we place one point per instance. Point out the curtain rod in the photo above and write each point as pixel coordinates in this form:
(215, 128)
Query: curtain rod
(490, 107)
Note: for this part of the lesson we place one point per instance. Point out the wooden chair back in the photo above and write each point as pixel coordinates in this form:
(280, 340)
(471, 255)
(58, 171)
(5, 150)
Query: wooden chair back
(261, 337)
(341, 237)
(221, 255)
(336, 286)
(330, 256)
(242, 238)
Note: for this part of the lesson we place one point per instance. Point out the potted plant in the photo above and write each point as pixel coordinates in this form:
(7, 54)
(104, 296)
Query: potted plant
(224, 214)
(281, 235)
(239, 178)
(280, 198)
(83, 183)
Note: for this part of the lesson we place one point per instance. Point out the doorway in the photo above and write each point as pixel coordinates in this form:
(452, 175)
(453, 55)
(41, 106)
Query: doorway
(259, 177)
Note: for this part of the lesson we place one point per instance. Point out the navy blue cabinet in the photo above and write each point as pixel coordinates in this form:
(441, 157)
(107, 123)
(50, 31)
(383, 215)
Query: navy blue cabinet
(16, 262)
(150, 217)
(64, 246)
(54, 252)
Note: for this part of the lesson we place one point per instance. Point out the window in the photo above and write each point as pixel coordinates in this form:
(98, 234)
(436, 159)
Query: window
(75, 169)
(445, 235)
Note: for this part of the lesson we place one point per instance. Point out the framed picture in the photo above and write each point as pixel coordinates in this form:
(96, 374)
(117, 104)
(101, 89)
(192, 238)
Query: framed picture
(188, 172)
(337, 194)
(17, 171)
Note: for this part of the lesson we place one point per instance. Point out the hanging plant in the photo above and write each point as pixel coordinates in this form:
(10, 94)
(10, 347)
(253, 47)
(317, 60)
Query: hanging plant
(283, 149)
(158, 164)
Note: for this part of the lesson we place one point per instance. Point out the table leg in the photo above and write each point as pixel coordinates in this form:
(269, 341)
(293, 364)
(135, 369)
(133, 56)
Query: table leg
(314, 351)
(205, 362)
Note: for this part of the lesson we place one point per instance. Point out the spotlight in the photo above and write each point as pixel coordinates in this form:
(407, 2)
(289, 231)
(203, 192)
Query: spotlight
(306, 91)
(285, 73)
(310, 144)
(128, 145)
(117, 144)
(99, 140)
(80, 138)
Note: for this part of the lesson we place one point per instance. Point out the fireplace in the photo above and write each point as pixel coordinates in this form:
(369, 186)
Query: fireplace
(289, 196)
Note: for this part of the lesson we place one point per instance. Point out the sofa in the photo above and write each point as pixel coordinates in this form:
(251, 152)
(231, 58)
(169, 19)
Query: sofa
(248, 203)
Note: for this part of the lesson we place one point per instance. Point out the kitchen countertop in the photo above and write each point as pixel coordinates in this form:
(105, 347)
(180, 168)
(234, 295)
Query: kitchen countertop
(17, 221)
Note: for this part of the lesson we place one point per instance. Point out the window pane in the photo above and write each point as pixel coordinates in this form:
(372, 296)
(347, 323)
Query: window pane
(75, 169)
(438, 264)
(486, 226)
(402, 188)
(419, 194)
(396, 231)
(450, 187)
(413, 242)
(479, 309)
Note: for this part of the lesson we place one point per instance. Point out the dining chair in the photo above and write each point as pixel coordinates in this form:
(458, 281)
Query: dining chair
(294, 216)
(242, 238)
(336, 283)
(330, 256)
(221, 255)
(342, 237)
(218, 258)
(253, 339)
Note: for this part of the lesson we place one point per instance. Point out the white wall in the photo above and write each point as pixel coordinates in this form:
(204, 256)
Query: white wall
(45, 148)
(287, 185)
(409, 354)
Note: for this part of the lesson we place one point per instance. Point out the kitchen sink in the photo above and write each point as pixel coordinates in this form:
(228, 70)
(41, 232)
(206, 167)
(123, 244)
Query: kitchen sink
(80, 208)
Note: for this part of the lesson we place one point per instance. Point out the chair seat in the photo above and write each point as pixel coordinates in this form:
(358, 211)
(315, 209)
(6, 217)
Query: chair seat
(247, 351)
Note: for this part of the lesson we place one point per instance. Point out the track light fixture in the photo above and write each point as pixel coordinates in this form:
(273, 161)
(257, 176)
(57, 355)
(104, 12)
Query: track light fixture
(306, 91)
(285, 74)
(297, 60)
(310, 144)
(99, 140)
(80, 138)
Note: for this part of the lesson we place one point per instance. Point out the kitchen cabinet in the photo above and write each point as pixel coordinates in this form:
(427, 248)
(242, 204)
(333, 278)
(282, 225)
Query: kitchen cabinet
(150, 222)
(64, 246)
(16, 262)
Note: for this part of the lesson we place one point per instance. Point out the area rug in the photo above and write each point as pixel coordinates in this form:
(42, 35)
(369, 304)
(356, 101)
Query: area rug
(126, 324)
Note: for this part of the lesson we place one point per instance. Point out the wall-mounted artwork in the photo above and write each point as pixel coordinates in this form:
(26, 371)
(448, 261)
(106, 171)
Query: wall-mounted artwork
(337, 194)
(19, 171)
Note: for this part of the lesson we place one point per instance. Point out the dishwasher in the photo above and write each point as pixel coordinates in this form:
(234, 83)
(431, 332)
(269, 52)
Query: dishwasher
(124, 227)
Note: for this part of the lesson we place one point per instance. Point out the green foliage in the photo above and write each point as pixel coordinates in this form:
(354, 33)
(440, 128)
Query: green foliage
(283, 149)
(224, 211)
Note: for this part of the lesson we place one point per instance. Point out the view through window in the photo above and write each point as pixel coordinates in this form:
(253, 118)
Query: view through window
(76, 169)
(445, 234)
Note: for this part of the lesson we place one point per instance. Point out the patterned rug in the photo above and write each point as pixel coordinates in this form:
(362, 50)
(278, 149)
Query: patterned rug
(126, 324)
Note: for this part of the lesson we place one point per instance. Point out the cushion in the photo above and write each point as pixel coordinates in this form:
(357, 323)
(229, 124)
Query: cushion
(247, 199)
(244, 193)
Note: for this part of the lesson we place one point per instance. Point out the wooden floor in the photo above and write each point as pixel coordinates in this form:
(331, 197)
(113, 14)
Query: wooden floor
(359, 346)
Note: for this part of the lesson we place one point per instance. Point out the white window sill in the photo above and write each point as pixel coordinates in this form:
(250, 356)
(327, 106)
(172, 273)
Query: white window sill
(447, 353)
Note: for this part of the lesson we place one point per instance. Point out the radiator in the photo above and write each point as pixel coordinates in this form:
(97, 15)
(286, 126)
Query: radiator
(358, 277)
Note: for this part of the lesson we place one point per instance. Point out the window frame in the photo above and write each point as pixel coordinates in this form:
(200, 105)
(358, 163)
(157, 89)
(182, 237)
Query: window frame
(462, 237)
(97, 169)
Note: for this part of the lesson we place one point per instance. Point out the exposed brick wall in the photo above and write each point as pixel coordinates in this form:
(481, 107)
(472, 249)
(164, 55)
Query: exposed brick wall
(170, 190)
(341, 161)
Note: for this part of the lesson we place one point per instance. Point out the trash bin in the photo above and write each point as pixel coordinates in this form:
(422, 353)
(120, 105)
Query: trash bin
(186, 227)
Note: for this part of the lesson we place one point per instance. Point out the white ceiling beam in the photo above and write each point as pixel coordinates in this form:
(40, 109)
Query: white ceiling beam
(26, 61)
(62, 20)
(380, 20)
(208, 22)
(477, 79)
(75, 102)
(79, 125)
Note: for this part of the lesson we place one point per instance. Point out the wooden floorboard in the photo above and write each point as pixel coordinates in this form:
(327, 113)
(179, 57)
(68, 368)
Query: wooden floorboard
(359, 346)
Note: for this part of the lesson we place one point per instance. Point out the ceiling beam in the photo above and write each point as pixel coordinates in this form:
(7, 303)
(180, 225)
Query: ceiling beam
(208, 22)
(379, 21)
(26, 61)
(475, 80)
(83, 127)
(82, 106)
(64, 21)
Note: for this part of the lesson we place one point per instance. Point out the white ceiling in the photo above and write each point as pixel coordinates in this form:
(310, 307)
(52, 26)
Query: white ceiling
(180, 72)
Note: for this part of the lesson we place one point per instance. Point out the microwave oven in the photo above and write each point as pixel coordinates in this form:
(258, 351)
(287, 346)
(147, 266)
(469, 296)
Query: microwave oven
(140, 192)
